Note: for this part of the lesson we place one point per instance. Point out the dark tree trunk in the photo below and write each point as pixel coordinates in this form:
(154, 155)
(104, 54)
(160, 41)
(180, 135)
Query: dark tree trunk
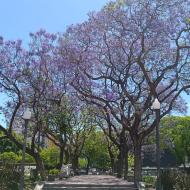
(88, 165)
(60, 158)
(75, 164)
(125, 163)
(112, 165)
(123, 157)
(137, 162)
(40, 166)
(112, 159)
(120, 162)
(67, 157)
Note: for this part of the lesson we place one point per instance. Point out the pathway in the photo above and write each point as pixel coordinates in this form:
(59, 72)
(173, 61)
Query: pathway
(93, 182)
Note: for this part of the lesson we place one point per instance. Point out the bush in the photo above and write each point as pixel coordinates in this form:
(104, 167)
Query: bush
(149, 180)
(9, 157)
(172, 179)
(82, 162)
(54, 172)
(131, 160)
(28, 158)
(9, 178)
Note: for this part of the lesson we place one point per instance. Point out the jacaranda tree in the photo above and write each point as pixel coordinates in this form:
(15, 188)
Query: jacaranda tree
(27, 81)
(128, 54)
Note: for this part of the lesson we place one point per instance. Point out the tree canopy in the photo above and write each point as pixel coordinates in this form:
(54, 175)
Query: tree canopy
(106, 70)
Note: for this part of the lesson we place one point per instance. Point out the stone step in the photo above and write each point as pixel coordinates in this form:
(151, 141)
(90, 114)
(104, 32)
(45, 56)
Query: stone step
(87, 186)
(93, 182)
(92, 188)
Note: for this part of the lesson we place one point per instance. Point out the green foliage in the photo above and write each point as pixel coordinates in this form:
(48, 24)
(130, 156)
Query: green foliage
(7, 146)
(176, 130)
(149, 180)
(9, 178)
(50, 157)
(9, 157)
(54, 172)
(12, 158)
(82, 162)
(172, 179)
(131, 160)
(102, 160)
(28, 158)
(95, 150)
(58, 120)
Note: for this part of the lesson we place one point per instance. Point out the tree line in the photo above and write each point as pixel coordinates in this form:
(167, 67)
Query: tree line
(104, 72)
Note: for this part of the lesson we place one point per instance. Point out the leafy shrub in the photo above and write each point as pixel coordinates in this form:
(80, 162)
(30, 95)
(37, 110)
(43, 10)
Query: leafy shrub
(82, 162)
(9, 157)
(149, 180)
(9, 177)
(172, 179)
(29, 159)
(54, 172)
(131, 160)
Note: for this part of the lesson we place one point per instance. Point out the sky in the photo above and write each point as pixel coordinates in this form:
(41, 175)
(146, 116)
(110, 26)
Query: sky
(20, 17)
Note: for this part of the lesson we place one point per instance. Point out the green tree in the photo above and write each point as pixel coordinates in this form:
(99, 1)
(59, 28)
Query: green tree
(50, 157)
(175, 131)
(95, 150)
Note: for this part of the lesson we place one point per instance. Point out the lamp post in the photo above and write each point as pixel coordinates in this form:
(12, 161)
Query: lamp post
(156, 107)
(26, 116)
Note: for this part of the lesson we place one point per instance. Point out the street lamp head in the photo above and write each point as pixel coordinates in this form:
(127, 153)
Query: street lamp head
(27, 114)
(156, 104)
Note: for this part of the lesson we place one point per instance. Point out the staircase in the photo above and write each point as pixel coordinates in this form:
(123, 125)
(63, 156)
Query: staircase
(49, 186)
(93, 182)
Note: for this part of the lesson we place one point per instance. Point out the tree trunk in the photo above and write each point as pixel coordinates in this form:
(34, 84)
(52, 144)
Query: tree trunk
(75, 164)
(88, 165)
(125, 157)
(125, 164)
(60, 158)
(40, 166)
(120, 164)
(112, 159)
(67, 157)
(112, 165)
(137, 163)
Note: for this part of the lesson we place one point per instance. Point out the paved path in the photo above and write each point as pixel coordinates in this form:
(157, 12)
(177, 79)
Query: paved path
(93, 180)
